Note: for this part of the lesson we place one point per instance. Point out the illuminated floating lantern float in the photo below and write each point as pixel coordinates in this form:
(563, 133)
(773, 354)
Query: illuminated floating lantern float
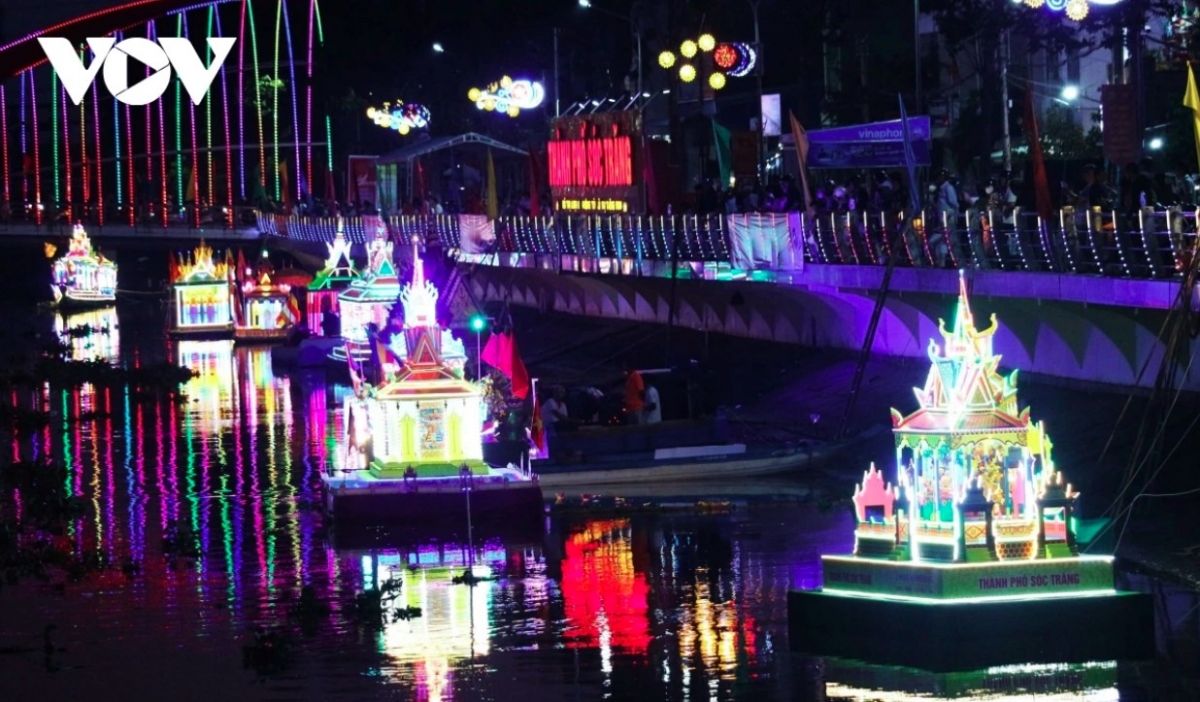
(368, 300)
(83, 276)
(976, 525)
(264, 310)
(204, 292)
(414, 435)
(508, 96)
(322, 295)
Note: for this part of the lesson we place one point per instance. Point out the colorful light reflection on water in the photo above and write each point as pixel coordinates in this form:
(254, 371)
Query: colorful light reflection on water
(654, 606)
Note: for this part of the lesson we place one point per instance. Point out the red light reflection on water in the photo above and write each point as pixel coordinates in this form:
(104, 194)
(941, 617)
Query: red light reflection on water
(604, 596)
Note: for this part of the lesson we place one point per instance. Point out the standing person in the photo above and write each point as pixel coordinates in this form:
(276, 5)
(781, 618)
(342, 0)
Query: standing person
(555, 408)
(635, 395)
(652, 410)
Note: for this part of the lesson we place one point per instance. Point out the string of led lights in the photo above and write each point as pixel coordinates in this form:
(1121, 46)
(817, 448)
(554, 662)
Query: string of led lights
(4, 141)
(80, 178)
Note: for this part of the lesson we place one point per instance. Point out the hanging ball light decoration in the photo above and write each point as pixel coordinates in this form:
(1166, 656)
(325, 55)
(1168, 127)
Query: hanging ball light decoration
(725, 56)
(687, 73)
(1077, 10)
(706, 42)
(1035, 3)
(666, 59)
(508, 96)
(688, 48)
(747, 60)
(716, 81)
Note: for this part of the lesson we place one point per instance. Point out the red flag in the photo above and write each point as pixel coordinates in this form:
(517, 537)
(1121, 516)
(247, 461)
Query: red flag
(285, 187)
(419, 185)
(1041, 182)
(501, 353)
(537, 431)
(533, 185)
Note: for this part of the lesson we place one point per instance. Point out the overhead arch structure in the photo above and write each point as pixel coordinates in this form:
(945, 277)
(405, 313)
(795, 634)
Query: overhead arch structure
(255, 139)
(1110, 345)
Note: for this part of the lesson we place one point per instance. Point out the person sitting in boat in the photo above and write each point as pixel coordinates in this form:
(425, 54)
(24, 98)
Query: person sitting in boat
(555, 408)
(651, 410)
(635, 395)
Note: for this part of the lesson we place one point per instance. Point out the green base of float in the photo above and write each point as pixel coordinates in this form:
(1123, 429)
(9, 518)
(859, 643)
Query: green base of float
(397, 471)
(966, 616)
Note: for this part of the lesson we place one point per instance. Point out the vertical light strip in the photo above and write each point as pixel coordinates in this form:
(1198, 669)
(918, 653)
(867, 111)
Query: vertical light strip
(287, 30)
(66, 132)
(257, 101)
(4, 144)
(53, 131)
(24, 141)
(194, 182)
(37, 151)
(99, 157)
(241, 101)
(228, 142)
(132, 189)
(149, 110)
(164, 212)
(212, 13)
(308, 125)
(179, 202)
(116, 144)
(84, 176)
(275, 97)
(330, 194)
(320, 28)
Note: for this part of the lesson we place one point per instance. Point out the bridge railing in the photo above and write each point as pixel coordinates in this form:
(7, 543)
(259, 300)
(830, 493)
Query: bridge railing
(1147, 244)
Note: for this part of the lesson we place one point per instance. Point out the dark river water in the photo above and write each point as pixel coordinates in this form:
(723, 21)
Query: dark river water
(663, 605)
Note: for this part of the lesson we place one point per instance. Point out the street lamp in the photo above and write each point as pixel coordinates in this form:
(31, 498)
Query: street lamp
(478, 324)
(1156, 143)
(637, 32)
(438, 48)
(1070, 93)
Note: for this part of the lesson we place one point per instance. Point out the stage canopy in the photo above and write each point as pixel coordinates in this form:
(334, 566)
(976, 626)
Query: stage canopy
(429, 146)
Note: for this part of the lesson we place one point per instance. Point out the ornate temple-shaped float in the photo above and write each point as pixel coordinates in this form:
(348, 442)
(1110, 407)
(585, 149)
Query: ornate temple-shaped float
(83, 276)
(204, 293)
(977, 515)
(369, 300)
(264, 311)
(414, 433)
(321, 302)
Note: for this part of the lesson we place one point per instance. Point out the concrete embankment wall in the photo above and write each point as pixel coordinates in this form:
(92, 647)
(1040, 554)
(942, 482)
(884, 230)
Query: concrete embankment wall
(1071, 341)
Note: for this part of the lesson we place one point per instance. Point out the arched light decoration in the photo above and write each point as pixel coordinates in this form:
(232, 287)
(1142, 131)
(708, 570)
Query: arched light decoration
(666, 59)
(1076, 10)
(403, 118)
(735, 59)
(706, 42)
(716, 81)
(688, 48)
(687, 73)
(508, 96)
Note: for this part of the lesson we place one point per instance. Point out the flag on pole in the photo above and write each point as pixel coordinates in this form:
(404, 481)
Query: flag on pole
(537, 431)
(1191, 99)
(801, 140)
(501, 353)
(724, 143)
(493, 207)
(1041, 182)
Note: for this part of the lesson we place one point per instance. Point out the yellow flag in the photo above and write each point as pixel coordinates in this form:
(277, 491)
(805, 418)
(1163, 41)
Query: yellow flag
(1191, 99)
(50, 249)
(493, 207)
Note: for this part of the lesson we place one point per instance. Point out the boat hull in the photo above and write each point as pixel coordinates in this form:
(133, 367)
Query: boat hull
(393, 504)
(202, 333)
(74, 299)
(260, 336)
(735, 468)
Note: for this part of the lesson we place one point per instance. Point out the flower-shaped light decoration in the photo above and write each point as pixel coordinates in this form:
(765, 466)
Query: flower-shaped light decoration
(508, 96)
(403, 117)
(727, 59)
(1076, 10)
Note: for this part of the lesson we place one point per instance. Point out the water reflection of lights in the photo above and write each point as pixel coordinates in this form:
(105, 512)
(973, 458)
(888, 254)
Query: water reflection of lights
(1095, 682)
(93, 335)
(604, 597)
(455, 621)
(211, 390)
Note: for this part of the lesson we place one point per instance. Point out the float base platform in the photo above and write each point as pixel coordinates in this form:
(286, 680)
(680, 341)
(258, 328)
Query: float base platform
(969, 634)
(440, 503)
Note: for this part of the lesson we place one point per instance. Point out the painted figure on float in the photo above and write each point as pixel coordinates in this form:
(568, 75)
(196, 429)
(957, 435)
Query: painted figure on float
(83, 275)
(368, 300)
(203, 289)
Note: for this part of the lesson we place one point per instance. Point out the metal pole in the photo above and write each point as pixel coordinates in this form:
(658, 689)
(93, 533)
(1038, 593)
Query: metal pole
(557, 102)
(638, 33)
(478, 359)
(1004, 101)
(758, 71)
(917, 55)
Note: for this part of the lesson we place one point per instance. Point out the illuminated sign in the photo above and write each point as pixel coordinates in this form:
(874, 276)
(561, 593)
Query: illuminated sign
(508, 96)
(591, 162)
